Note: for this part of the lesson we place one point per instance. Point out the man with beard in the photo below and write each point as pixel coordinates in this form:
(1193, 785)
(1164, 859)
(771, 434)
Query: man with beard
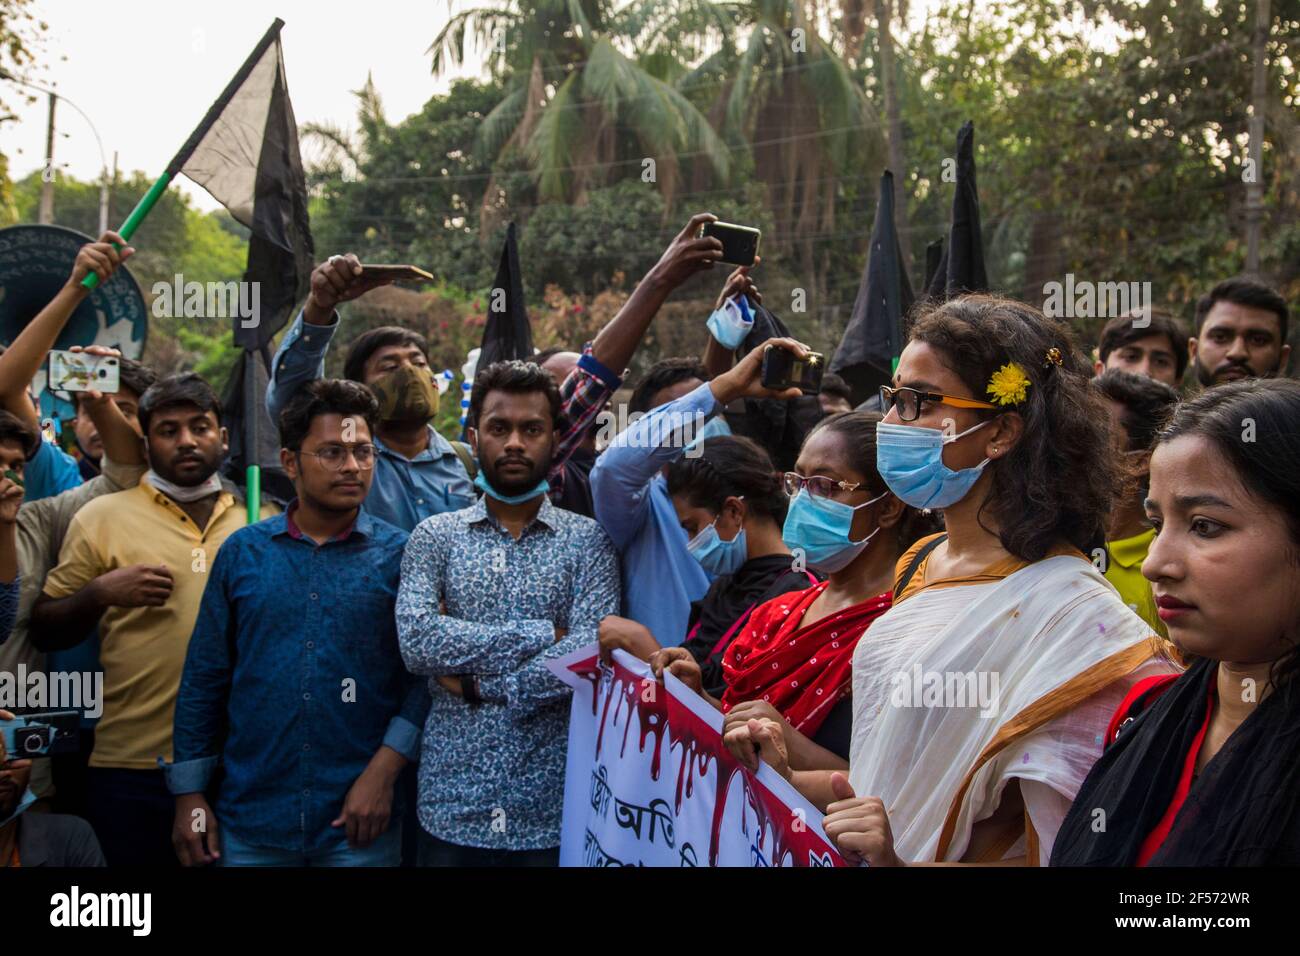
(418, 472)
(488, 596)
(310, 593)
(1241, 327)
(134, 564)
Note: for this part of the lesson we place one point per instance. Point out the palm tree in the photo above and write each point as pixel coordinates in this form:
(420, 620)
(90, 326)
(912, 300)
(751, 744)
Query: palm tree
(577, 104)
(791, 100)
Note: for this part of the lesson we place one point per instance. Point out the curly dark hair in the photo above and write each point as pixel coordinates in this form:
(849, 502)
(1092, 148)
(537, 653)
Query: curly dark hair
(1059, 480)
(325, 397)
(728, 466)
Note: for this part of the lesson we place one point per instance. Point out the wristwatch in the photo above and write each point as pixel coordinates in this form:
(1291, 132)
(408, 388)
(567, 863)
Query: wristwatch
(469, 689)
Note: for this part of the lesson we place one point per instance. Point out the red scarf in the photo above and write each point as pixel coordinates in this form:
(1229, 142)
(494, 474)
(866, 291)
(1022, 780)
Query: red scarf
(801, 671)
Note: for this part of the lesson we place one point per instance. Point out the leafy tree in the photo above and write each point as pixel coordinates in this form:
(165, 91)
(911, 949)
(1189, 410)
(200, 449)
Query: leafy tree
(577, 106)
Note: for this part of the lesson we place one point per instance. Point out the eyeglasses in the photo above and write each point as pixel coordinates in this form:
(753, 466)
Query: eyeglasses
(907, 401)
(819, 486)
(333, 456)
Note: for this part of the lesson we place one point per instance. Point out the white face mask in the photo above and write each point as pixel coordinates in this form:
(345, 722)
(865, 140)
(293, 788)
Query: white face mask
(181, 493)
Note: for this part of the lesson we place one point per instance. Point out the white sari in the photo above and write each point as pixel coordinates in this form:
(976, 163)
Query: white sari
(1057, 648)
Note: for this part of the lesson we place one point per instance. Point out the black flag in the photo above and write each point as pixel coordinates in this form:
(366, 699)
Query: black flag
(507, 334)
(874, 337)
(962, 267)
(245, 154)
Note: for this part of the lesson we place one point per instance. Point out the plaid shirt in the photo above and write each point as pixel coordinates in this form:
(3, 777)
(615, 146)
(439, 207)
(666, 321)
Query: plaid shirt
(582, 396)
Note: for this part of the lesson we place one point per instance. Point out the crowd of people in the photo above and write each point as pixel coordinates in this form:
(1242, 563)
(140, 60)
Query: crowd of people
(1107, 558)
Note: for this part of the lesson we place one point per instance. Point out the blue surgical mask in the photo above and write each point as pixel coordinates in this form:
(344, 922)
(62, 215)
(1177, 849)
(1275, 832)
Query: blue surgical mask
(715, 555)
(481, 483)
(910, 459)
(715, 427)
(820, 527)
(731, 323)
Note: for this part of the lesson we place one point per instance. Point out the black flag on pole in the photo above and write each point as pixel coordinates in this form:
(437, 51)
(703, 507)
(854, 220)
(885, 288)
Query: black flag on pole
(874, 336)
(507, 334)
(245, 153)
(961, 269)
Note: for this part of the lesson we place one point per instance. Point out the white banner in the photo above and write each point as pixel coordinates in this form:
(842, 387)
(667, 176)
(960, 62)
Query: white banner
(649, 783)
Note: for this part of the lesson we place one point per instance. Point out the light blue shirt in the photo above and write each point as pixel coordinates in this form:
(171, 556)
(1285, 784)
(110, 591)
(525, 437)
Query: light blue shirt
(405, 491)
(49, 472)
(660, 578)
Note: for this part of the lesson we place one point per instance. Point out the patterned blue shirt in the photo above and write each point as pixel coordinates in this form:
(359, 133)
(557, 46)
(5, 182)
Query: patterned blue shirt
(9, 605)
(293, 679)
(492, 774)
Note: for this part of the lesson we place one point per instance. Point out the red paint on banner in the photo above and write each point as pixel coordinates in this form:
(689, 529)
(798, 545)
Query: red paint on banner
(700, 746)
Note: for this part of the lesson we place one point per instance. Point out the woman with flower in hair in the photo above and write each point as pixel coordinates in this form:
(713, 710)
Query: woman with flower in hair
(981, 697)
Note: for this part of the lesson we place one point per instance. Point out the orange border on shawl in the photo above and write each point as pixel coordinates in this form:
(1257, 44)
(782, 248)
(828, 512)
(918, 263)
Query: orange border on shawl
(1051, 705)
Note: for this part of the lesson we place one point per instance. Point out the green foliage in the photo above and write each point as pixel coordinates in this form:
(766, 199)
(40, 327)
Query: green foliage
(175, 239)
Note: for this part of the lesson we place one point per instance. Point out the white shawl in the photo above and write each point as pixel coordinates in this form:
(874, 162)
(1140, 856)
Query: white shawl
(1055, 635)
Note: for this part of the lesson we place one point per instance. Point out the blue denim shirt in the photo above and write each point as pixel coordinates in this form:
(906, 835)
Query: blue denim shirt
(293, 679)
(660, 578)
(405, 491)
(475, 600)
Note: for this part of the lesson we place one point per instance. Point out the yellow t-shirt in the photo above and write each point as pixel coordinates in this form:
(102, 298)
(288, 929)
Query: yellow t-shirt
(142, 649)
(1124, 571)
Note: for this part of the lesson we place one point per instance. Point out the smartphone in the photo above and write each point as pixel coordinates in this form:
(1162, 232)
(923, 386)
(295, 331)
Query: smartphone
(782, 369)
(739, 243)
(396, 273)
(80, 372)
(41, 735)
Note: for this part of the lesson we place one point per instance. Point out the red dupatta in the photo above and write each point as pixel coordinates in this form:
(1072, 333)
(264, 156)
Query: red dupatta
(801, 671)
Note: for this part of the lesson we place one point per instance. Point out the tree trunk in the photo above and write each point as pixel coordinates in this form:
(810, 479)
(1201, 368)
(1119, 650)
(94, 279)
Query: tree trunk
(897, 158)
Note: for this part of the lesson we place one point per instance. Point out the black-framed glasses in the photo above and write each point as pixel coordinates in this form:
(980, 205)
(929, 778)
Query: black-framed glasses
(907, 401)
(333, 456)
(819, 486)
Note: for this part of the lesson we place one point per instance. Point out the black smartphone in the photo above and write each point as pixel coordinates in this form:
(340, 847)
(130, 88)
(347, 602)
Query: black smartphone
(739, 243)
(783, 369)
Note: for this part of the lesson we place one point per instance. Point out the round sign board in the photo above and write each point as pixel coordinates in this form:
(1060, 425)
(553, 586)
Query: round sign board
(35, 262)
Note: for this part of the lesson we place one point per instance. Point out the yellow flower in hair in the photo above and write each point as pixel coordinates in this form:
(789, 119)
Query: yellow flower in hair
(1009, 384)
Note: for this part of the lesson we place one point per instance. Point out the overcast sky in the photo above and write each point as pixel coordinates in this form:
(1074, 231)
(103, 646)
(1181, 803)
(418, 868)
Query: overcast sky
(145, 71)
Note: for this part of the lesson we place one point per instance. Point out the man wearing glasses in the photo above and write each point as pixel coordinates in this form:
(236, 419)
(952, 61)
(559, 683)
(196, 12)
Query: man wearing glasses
(293, 681)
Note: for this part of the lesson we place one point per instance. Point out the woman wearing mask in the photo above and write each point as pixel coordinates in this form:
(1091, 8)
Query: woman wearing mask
(1204, 769)
(730, 503)
(980, 698)
(791, 662)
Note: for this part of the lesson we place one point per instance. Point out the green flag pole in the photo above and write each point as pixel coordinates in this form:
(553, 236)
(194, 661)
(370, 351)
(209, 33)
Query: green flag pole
(133, 221)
